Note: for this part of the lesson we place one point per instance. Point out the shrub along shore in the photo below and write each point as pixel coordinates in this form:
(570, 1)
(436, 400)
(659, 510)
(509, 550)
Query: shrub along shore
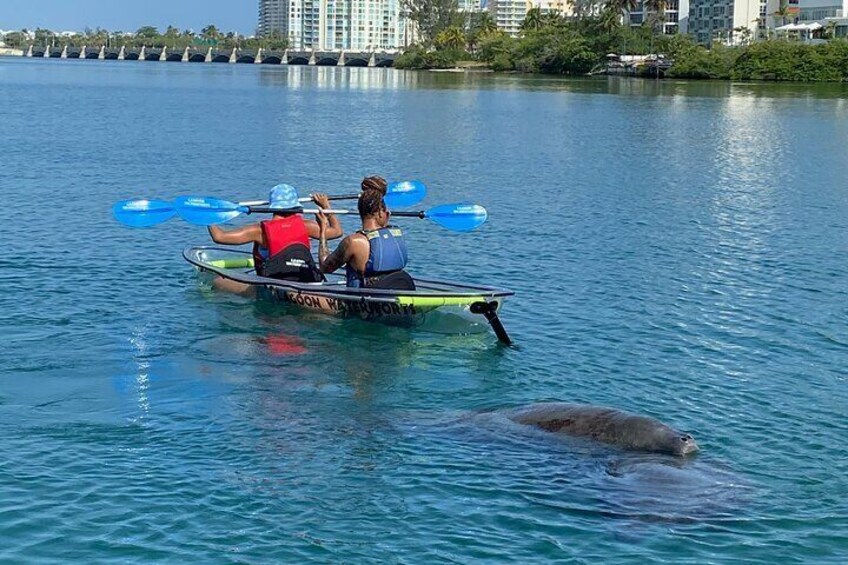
(553, 45)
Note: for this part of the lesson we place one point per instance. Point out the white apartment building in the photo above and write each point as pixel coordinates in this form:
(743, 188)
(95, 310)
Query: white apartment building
(562, 7)
(375, 24)
(675, 18)
(508, 14)
(469, 5)
(354, 25)
(718, 20)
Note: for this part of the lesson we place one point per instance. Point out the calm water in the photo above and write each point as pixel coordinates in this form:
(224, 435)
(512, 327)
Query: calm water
(677, 250)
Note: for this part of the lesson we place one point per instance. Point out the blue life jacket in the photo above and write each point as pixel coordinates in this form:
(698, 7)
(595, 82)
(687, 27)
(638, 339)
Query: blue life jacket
(387, 255)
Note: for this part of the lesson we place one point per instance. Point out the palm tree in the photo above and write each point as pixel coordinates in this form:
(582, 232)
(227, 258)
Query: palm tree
(620, 8)
(610, 19)
(451, 38)
(483, 23)
(552, 19)
(783, 10)
(533, 21)
(742, 34)
(830, 29)
(576, 8)
(657, 8)
(147, 31)
(210, 32)
(480, 25)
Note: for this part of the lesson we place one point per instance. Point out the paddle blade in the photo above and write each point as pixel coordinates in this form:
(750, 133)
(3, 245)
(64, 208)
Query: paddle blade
(206, 210)
(404, 194)
(143, 213)
(458, 217)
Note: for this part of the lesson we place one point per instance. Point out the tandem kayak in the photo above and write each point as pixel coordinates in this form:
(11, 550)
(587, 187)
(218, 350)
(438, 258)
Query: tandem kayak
(333, 297)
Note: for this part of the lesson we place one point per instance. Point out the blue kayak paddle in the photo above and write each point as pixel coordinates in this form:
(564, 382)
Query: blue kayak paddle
(144, 213)
(207, 210)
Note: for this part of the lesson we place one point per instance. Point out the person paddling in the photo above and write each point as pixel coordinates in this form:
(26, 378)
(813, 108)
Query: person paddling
(281, 244)
(374, 183)
(376, 255)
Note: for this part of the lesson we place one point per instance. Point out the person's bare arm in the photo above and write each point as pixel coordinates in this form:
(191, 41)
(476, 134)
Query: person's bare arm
(330, 262)
(344, 253)
(334, 229)
(251, 233)
(352, 251)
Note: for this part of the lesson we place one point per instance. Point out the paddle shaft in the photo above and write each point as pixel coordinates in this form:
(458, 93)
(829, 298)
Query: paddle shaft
(266, 210)
(333, 197)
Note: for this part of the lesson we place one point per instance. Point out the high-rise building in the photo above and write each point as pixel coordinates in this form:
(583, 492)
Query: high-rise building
(375, 24)
(273, 16)
(469, 5)
(817, 10)
(675, 18)
(508, 14)
(562, 7)
(729, 21)
(359, 25)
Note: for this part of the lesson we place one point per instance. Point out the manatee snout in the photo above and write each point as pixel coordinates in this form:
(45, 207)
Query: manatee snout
(686, 445)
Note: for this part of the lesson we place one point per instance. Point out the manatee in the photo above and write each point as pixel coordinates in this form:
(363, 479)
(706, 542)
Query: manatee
(607, 425)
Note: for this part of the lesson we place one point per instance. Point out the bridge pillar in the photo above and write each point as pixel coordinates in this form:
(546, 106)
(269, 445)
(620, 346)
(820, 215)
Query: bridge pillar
(121, 53)
(102, 54)
(372, 60)
(233, 55)
(185, 55)
(208, 58)
(164, 55)
(341, 62)
(258, 59)
(312, 60)
(29, 51)
(142, 55)
(285, 60)
(64, 54)
(82, 52)
(47, 51)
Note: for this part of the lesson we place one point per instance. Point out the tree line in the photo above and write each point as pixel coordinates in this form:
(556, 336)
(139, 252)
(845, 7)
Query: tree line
(549, 42)
(150, 36)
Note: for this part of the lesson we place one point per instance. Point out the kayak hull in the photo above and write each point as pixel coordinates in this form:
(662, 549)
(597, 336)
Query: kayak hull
(474, 303)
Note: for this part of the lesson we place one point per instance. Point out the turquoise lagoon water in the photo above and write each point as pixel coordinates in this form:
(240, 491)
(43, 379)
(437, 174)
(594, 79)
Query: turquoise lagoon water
(677, 250)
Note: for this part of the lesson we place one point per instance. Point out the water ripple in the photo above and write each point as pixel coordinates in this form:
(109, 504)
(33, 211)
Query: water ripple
(677, 250)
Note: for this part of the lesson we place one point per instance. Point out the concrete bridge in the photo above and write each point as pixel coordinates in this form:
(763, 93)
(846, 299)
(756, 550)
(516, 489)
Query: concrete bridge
(332, 58)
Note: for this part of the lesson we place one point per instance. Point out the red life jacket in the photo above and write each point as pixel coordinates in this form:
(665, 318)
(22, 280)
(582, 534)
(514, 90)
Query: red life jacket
(280, 234)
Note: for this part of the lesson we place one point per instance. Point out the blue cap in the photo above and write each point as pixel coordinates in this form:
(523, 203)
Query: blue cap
(283, 196)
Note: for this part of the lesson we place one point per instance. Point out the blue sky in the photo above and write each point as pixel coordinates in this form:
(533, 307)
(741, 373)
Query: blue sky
(129, 15)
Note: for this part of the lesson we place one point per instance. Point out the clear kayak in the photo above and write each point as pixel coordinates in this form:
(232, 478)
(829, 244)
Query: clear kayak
(334, 297)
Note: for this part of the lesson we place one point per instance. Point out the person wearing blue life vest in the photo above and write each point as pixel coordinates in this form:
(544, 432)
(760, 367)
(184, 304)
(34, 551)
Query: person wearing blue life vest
(375, 256)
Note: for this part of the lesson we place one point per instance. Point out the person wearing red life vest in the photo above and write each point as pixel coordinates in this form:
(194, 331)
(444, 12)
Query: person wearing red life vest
(281, 245)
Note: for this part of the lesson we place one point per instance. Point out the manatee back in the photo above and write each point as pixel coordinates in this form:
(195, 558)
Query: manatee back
(607, 425)
(573, 419)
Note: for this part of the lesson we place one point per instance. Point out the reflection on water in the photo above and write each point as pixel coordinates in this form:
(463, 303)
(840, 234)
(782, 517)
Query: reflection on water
(677, 249)
(142, 379)
(360, 78)
(336, 78)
